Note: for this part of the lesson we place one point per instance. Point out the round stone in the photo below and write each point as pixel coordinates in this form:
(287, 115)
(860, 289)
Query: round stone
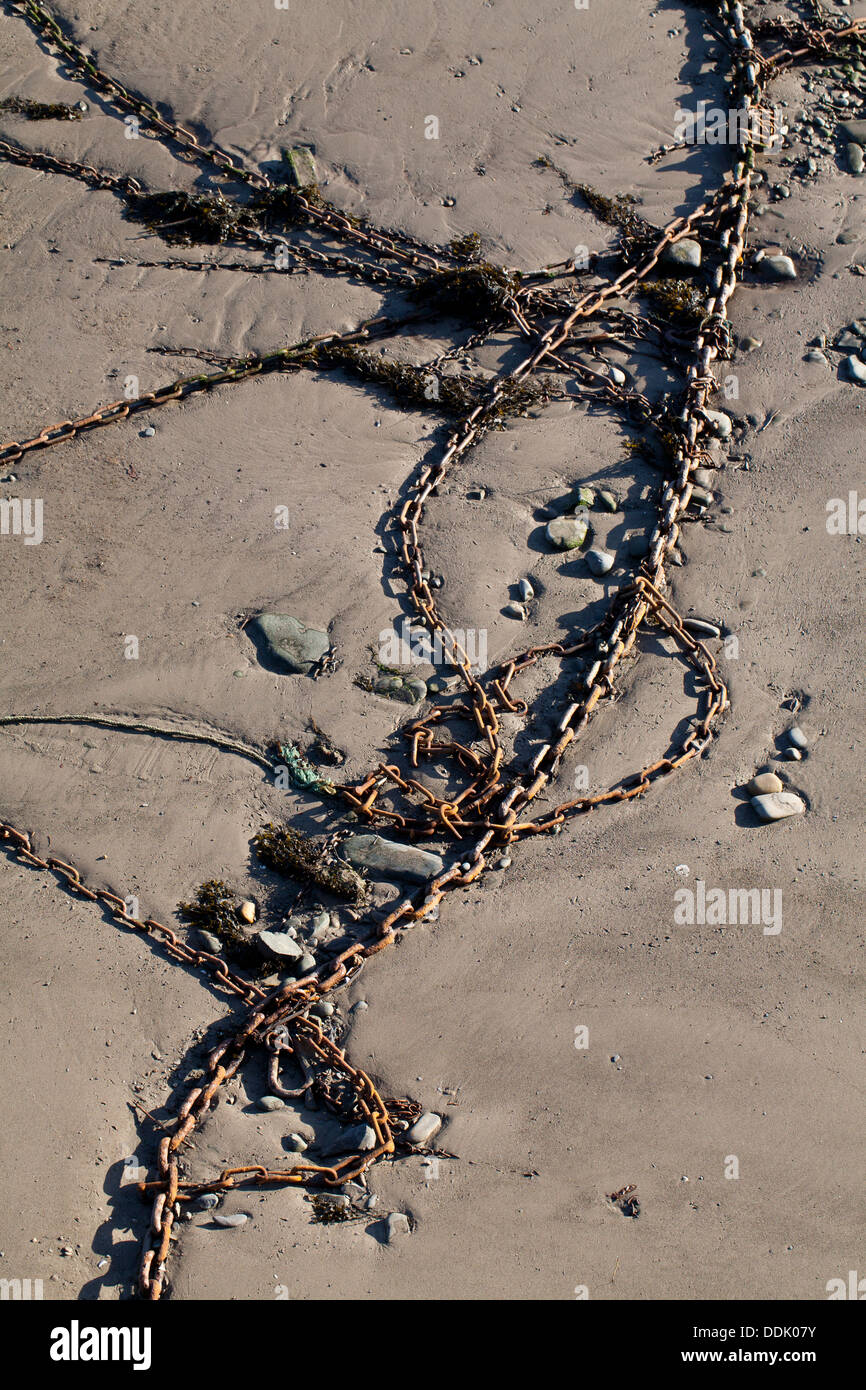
(764, 783)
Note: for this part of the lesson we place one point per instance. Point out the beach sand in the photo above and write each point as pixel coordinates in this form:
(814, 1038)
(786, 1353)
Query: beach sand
(729, 1042)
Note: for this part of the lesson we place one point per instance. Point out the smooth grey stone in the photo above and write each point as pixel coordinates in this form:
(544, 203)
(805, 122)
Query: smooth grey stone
(402, 861)
(359, 1006)
(324, 1009)
(856, 368)
(599, 561)
(858, 326)
(848, 340)
(764, 784)
(815, 355)
(720, 423)
(797, 737)
(778, 805)
(307, 963)
(703, 496)
(396, 1225)
(567, 532)
(792, 755)
(779, 267)
(515, 610)
(231, 1219)
(749, 344)
(609, 501)
(526, 590)
(271, 1103)
(280, 944)
(686, 253)
(357, 1138)
(207, 1201)
(320, 923)
(618, 376)
(297, 1143)
(340, 1200)
(855, 158)
(417, 688)
(210, 942)
(289, 640)
(425, 1128)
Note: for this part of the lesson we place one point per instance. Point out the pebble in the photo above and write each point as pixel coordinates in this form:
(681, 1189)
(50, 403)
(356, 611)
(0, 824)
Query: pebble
(515, 610)
(749, 344)
(235, 1218)
(425, 1128)
(290, 641)
(609, 500)
(856, 368)
(504, 862)
(582, 497)
(780, 267)
(271, 1103)
(397, 1224)
(207, 1201)
(247, 911)
(855, 158)
(324, 1009)
(297, 1143)
(618, 376)
(778, 805)
(359, 1006)
(307, 963)
(797, 737)
(764, 783)
(320, 923)
(719, 422)
(280, 944)
(148, 433)
(527, 593)
(210, 942)
(599, 561)
(848, 341)
(815, 355)
(567, 532)
(403, 861)
(684, 253)
(792, 755)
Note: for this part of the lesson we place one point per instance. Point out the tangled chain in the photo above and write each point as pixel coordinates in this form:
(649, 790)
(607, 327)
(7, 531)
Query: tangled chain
(492, 809)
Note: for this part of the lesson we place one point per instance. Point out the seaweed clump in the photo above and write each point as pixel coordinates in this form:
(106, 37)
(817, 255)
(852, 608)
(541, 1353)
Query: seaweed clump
(479, 292)
(185, 219)
(215, 910)
(295, 855)
(327, 1212)
(417, 386)
(637, 234)
(41, 110)
(680, 301)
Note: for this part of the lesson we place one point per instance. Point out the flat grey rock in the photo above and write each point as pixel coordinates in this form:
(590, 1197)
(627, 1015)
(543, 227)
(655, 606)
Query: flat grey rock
(720, 423)
(290, 641)
(392, 858)
(856, 368)
(231, 1219)
(778, 805)
(856, 131)
(280, 944)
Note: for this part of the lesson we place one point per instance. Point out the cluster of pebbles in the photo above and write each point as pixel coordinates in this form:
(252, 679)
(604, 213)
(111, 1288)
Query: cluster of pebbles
(767, 792)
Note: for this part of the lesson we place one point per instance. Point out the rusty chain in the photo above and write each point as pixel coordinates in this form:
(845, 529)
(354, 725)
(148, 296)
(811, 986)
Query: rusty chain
(488, 811)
